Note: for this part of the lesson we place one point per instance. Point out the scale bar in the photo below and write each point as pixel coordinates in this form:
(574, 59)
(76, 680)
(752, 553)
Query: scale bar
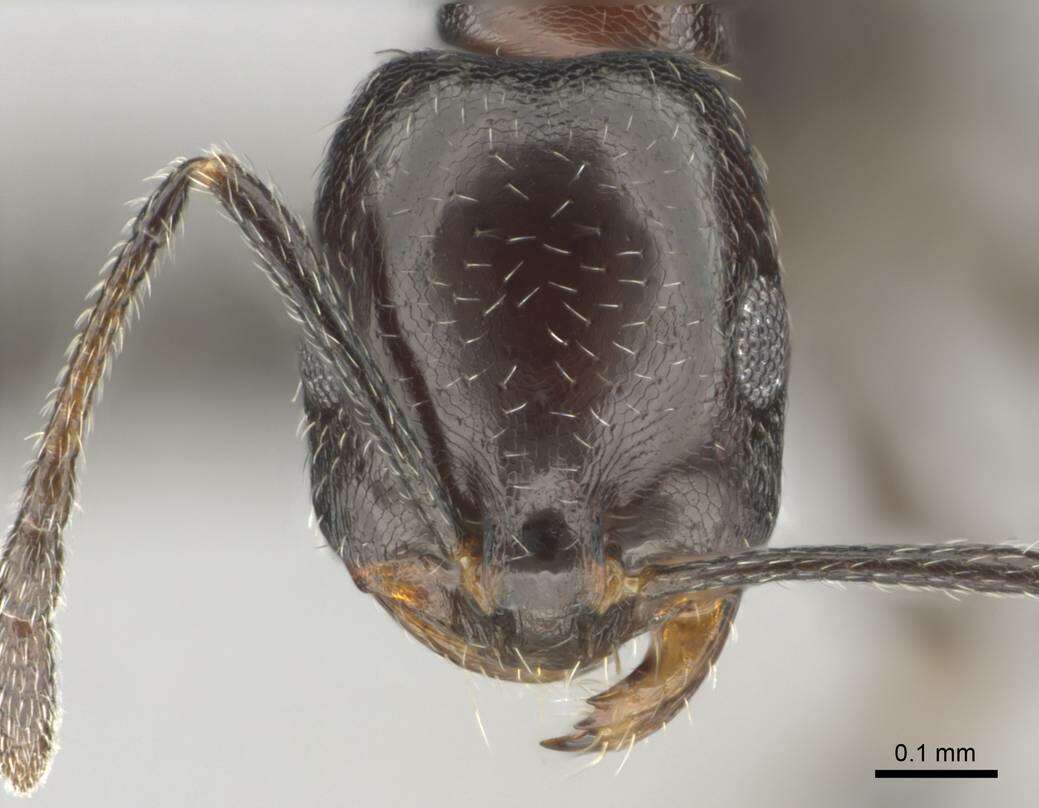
(945, 774)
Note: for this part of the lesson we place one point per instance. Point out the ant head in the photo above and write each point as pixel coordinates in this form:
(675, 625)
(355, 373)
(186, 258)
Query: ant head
(567, 274)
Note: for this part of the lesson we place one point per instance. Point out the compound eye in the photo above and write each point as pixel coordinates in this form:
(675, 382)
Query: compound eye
(320, 387)
(762, 343)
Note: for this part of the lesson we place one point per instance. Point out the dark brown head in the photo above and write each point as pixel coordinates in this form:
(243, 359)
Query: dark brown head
(566, 270)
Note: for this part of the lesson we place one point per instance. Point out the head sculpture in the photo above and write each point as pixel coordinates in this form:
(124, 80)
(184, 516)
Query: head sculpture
(569, 266)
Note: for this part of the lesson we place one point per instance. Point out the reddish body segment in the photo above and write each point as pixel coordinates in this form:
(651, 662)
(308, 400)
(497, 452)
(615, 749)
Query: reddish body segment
(569, 30)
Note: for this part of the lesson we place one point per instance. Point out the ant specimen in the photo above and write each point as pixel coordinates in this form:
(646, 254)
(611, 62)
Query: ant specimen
(544, 365)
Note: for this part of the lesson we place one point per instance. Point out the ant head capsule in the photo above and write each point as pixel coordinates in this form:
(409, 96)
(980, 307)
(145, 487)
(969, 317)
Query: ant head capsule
(569, 268)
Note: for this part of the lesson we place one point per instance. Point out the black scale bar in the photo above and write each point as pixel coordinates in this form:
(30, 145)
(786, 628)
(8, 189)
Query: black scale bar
(944, 774)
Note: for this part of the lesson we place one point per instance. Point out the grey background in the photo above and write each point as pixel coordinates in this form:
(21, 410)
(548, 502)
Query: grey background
(213, 656)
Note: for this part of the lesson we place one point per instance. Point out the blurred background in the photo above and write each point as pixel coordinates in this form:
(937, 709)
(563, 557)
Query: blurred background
(214, 655)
